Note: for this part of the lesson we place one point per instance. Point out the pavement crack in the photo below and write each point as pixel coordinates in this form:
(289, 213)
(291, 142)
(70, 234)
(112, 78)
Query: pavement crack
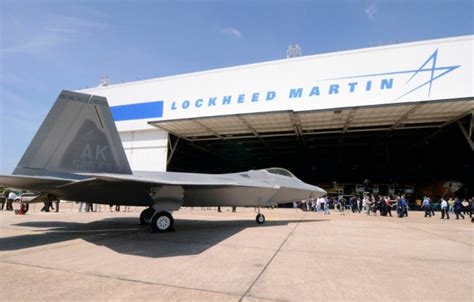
(271, 259)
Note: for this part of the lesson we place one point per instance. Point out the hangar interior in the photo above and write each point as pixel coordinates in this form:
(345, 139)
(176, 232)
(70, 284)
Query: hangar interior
(410, 143)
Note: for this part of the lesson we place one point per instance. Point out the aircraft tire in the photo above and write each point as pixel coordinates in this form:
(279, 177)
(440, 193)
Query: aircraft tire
(146, 216)
(162, 222)
(260, 218)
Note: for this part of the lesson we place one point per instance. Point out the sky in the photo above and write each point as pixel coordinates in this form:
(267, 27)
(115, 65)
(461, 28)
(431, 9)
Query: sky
(47, 46)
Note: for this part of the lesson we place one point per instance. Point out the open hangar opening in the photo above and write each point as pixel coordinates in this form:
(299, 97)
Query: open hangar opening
(416, 144)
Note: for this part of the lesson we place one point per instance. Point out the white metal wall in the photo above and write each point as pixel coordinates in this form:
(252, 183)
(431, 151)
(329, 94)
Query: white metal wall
(412, 72)
(146, 150)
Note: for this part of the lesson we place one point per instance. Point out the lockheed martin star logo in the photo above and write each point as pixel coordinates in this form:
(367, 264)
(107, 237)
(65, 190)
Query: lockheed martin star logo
(429, 66)
(434, 71)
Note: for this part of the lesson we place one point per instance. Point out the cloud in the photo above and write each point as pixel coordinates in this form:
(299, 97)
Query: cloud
(28, 117)
(56, 30)
(231, 31)
(37, 43)
(371, 11)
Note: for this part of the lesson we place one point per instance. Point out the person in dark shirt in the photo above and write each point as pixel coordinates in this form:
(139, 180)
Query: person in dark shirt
(458, 208)
(3, 199)
(388, 206)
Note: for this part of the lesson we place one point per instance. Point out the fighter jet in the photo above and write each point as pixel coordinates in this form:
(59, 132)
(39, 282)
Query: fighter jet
(77, 155)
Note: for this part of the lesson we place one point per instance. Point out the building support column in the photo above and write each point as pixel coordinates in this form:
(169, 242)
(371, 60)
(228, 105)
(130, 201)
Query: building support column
(468, 133)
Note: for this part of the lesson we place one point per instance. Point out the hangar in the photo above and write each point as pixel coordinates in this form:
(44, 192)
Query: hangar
(396, 114)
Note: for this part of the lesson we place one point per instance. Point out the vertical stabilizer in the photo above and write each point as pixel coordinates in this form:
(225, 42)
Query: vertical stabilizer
(77, 136)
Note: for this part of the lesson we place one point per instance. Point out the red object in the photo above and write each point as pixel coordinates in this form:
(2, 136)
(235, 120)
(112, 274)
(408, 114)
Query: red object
(20, 210)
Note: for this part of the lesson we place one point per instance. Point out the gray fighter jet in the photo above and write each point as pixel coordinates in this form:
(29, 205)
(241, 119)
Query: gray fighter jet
(77, 155)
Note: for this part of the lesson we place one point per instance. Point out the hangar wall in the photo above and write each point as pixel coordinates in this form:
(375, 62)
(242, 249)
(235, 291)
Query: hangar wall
(424, 71)
(146, 150)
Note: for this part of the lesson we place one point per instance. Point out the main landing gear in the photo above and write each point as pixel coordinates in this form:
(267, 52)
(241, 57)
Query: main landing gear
(146, 216)
(160, 222)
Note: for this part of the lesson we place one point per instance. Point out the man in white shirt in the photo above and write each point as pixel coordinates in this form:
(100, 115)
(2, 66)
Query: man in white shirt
(444, 209)
(11, 199)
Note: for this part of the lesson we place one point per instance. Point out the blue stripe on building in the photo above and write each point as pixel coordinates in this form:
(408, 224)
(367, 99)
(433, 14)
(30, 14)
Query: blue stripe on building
(137, 111)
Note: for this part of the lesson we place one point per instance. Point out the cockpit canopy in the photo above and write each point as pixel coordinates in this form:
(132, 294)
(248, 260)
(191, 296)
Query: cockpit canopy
(280, 171)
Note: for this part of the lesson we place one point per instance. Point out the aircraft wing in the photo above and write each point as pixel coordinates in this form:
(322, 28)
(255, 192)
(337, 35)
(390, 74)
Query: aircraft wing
(170, 179)
(39, 183)
(135, 190)
(33, 183)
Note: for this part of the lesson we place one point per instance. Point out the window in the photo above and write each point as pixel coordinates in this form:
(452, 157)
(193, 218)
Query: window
(280, 171)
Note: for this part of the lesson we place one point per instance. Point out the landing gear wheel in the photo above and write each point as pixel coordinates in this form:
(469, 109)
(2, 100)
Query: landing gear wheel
(162, 222)
(260, 218)
(146, 216)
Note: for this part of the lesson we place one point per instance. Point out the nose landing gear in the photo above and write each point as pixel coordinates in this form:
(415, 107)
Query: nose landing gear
(260, 219)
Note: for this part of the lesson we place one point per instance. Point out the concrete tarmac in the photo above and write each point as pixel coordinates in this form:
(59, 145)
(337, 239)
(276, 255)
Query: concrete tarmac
(294, 256)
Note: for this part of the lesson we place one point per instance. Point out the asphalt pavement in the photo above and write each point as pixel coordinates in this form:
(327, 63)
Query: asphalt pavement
(294, 256)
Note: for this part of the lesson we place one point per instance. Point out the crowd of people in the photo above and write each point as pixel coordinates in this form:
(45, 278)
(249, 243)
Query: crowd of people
(367, 203)
(457, 206)
(371, 205)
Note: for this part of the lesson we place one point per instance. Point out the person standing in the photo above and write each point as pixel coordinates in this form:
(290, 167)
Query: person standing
(451, 205)
(46, 206)
(444, 209)
(426, 206)
(431, 207)
(325, 201)
(3, 198)
(10, 200)
(471, 206)
(353, 204)
(465, 207)
(388, 206)
(365, 201)
(405, 213)
(401, 206)
(375, 204)
(368, 205)
(56, 204)
(458, 208)
(472, 210)
(382, 205)
(318, 204)
(342, 204)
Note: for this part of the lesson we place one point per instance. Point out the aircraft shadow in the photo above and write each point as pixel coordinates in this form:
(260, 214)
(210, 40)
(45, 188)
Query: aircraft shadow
(124, 236)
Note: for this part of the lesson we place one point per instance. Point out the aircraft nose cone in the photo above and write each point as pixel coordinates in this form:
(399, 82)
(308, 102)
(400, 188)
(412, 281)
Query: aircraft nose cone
(319, 190)
(315, 189)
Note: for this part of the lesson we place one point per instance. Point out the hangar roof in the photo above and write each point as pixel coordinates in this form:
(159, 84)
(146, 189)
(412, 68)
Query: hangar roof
(289, 123)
